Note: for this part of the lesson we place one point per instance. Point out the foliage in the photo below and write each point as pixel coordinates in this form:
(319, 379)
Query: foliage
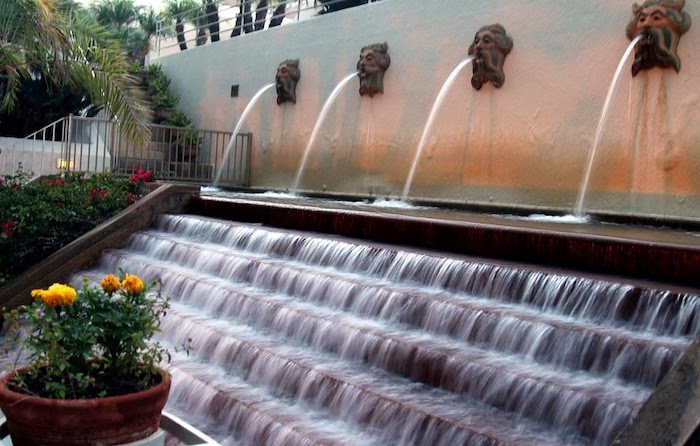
(45, 40)
(91, 343)
(162, 96)
(182, 11)
(179, 119)
(41, 217)
(133, 25)
(188, 139)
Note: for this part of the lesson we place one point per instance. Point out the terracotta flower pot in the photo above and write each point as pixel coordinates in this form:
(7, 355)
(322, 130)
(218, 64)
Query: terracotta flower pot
(97, 421)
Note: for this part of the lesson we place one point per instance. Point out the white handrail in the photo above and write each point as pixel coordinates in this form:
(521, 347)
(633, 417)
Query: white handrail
(232, 20)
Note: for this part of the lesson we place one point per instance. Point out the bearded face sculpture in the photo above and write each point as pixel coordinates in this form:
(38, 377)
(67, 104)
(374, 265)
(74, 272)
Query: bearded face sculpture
(286, 79)
(374, 61)
(490, 47)
(660, 23)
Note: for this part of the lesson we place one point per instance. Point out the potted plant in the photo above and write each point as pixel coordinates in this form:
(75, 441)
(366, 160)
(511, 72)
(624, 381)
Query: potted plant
(95, 375)
(187, 143)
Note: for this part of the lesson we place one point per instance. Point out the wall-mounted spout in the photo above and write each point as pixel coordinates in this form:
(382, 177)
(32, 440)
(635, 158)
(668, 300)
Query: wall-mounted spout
(374, 61)
(286, 79)
(490, 47)
(661, 23)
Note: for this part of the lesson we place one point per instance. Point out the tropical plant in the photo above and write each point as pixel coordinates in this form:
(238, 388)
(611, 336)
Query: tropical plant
(278, 13)
(260, 14)
(211, 9)
(92, 342)
(42, 41)
(119, 14)
(133, 25)
(182, 11)
(199, 20)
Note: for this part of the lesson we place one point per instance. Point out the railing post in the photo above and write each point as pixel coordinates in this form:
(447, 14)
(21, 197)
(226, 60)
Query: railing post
(158, 37)
(66, 141)
(299, 10)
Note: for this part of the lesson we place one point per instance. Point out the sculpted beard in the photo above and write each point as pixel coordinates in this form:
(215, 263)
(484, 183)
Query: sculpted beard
(650, 52)
(487, 68)
(285, 89)
(368, 83)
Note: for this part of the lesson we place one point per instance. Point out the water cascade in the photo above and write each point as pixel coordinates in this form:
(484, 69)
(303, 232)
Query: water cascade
(321, 117)
(299, 338)
(578, 210)
(236, 130)
(429, 123)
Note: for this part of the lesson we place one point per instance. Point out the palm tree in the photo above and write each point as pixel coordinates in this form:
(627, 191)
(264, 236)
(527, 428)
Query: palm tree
(261, 14)
(40, 41)
(182, 12)
(133, 25)
(119, 14)
(278, 14)
(199, 20)
(148, 27)
(212, 10)
(247, 15)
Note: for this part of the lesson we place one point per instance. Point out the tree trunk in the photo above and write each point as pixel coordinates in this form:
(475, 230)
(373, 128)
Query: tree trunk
(237, 28)
(278, 15)
(180, 30)
(261, 15)
(201, 36)
(212, 19)
(247, 16)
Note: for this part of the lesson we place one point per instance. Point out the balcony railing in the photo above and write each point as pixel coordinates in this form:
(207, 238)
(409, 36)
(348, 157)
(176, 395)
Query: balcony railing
(96, 145)
(214, 20)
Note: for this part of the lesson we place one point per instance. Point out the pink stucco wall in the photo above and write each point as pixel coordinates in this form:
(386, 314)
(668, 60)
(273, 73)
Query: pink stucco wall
(523, 145)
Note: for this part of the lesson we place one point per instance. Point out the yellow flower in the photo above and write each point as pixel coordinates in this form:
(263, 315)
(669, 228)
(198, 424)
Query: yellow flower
(132, 284)
(110, 283)
(57, 295)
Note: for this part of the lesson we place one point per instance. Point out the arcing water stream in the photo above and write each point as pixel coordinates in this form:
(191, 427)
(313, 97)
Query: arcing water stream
(236, 131)
(583, 190)
(429, 123)
(319, 122)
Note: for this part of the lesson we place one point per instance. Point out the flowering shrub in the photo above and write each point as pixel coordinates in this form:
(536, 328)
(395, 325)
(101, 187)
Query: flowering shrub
(38, 218)
(141, 176)
(91, 343)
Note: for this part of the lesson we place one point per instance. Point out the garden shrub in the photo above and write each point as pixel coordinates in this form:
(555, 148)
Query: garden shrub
(39, 217)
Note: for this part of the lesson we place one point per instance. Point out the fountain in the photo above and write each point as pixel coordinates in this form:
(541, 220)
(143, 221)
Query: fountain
(319, 122)
(527, 142)
(578, 209)
(373, 62)
(236, 130)
(327, 324)
(655, 33)
(288, 74)
(429, 123)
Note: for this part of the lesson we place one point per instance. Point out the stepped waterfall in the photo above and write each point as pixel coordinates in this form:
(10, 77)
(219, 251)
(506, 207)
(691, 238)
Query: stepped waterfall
(299, 338)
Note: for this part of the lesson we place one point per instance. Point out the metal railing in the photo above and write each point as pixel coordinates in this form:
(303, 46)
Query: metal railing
(214, 21)
(95, 145)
